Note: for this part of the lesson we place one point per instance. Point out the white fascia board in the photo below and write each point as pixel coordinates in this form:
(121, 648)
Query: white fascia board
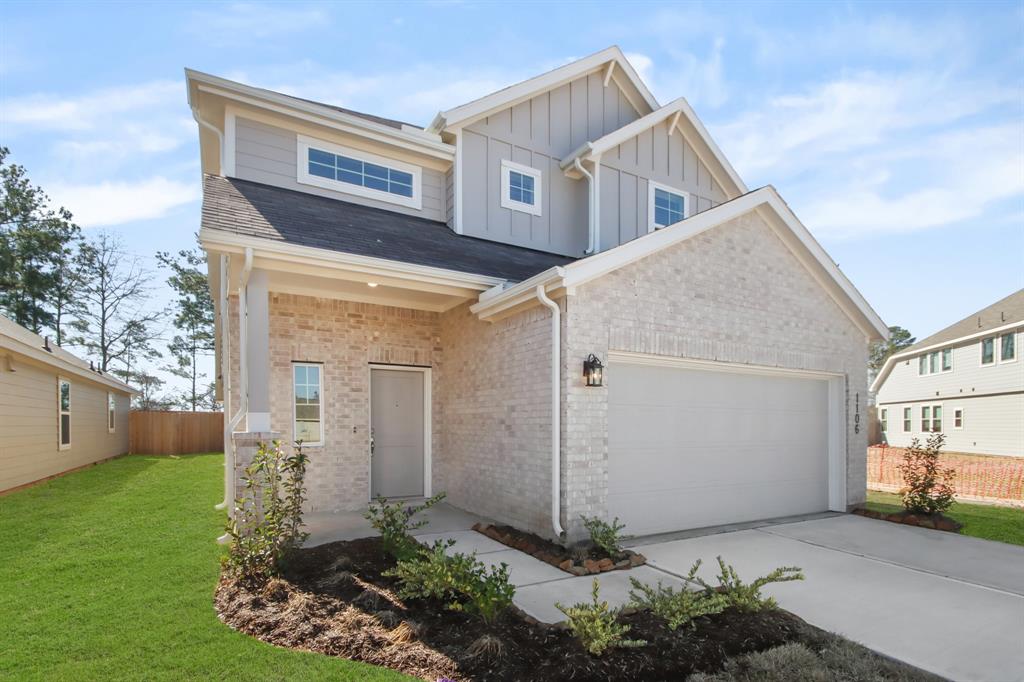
(472, 111)
(18, 346)
(496, 301)
(716, 151)
(230, 242)
(960, 340)
(422, 141)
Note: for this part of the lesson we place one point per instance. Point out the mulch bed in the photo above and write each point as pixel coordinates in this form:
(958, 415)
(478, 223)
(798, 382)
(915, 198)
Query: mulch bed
(333, 600)
(935, 521)
(583, 559)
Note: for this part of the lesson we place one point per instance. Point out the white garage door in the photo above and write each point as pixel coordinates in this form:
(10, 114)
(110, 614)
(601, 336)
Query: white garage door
(689, 448)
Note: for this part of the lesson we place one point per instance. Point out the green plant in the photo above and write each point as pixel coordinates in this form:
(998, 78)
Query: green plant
(395, 525)
(747, 597)
(927, 485)
(605, 535)
(596, 625)
(266, 526)
(680, 607)
(488, 593)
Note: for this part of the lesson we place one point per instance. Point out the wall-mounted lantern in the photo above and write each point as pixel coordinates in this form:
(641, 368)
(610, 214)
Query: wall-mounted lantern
(593, 371)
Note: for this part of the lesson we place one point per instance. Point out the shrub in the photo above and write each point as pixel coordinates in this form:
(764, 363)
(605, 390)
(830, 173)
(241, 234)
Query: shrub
(596, 625)
(488, 594)
(395, 525)
(605, 535)
(266, 526)
(677, 608)
(746, 597)
(927, 486)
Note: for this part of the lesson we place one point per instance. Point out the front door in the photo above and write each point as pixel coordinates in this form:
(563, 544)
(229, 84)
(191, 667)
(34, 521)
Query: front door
(397, 436)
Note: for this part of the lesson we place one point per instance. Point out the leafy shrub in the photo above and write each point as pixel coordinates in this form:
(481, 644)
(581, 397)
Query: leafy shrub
(395, 525)
(605, 535)
(927, 485)
(677, 608)
(266, 526)
(596, 625)
(742, 596)
(461, 580)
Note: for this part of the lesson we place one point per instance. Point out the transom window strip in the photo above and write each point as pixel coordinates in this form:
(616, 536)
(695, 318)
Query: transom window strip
(668, 208)
(520, 187)
(363, 173)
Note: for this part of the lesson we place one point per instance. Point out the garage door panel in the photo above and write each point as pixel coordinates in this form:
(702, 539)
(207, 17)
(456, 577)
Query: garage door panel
(690, 447)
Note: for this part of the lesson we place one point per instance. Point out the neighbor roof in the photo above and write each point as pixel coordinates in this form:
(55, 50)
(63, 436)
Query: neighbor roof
(1002, 312)
(283, 215)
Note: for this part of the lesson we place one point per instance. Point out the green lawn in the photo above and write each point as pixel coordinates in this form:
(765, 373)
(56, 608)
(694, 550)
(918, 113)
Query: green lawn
(1005, 524)
(108, 573)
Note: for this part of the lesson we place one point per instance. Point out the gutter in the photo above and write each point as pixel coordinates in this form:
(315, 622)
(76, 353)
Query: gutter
(216, 131)
(556, 410)
(591, 185)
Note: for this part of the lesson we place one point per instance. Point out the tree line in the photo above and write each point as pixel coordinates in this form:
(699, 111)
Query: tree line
(92, 296)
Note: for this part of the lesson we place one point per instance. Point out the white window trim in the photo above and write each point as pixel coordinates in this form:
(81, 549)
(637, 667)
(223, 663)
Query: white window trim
(927, 357)
(538, 188)
(111, 411)
(931, 417)
(883, 417)
(907, 422)
(952, 360)
(995, 351)
(305, 178)
(651, 186)
(999, 343)
(61, 413)
(963, 418)
(323, 430)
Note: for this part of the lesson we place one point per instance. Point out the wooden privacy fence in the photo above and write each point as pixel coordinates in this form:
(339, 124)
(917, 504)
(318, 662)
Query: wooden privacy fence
(997, 479)
(176, 433)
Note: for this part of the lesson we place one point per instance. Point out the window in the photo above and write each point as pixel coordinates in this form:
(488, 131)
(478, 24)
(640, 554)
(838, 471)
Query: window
(520, 188)
(947, 359)
(356, 172)
(111, 409)
(922, 365)
(958, 418)
(936, 417)
(988, 351)
(666, 205)
(926, 419)
(64, 411)
(1007, 350)
(907, 420)
(884, 418)
(933, 362)
(308, 404)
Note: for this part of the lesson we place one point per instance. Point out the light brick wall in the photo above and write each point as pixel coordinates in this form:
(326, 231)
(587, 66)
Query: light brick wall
(734, 294)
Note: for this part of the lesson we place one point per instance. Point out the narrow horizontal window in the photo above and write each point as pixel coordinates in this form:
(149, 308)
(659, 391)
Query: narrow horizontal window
(988, 351)
(356, 172)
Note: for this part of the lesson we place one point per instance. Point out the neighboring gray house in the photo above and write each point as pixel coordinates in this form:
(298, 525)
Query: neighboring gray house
(391, 295)
(966, 381)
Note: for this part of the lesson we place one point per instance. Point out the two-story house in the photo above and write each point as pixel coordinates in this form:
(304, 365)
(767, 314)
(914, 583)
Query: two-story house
(965, 381)
(555, 300)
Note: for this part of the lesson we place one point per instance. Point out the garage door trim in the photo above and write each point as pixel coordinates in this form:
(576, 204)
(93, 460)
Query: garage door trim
(837, 500)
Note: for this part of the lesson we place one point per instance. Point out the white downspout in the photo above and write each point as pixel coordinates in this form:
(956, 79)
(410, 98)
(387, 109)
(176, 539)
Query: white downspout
(225, 373)
(591, 247)
(243, 385)
(216, 131)
(556, 410)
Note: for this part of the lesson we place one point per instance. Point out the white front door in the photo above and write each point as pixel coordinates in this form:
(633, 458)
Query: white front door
(397, 423)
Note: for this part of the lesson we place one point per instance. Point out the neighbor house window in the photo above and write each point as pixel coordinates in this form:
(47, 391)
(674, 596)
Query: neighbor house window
(111, 409)
(884, 418)
(667, 206)
(356, 172)
(947, 359)
(922, 365)
(1007, 349)
(64, 410)
(933, 362)
(907, 419)
(958, 418)
(520, 188)
(936, 417)
(988, 351)
(308, 403)
(926, 419)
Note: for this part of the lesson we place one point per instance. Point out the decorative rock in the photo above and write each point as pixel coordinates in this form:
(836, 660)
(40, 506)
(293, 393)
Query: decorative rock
(591, 566)
(636, 559)
(942, 523)
(910, 520)
(566, 565)
(578, 570)
(622, 563)
(895, 518)
(926, 523)
(605, 564)
(480, 527)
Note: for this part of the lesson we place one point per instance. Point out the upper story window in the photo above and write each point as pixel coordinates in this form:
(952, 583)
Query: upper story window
(935, 362)
(1007, 347)
(64, 414)
(352, 171)
(111, 412)
(988, 350)
(308, 404)
(667, 206)
(520, 187)
(947, 359)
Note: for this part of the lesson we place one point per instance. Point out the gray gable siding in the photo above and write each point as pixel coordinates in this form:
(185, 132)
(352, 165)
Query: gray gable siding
(267, 154)
(538, 133)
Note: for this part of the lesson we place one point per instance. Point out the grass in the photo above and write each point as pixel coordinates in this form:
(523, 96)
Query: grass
(108, 573)
(1004, 524)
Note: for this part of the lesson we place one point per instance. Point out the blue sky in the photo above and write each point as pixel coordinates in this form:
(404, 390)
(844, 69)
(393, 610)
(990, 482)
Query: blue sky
(895, 131)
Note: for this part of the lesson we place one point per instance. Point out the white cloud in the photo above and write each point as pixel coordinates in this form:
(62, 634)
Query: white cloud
(242, 22)
(89, 111)
(684, 74)
(118, 202)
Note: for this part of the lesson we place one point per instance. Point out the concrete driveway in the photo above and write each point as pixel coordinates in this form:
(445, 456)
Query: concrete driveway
(945, 603)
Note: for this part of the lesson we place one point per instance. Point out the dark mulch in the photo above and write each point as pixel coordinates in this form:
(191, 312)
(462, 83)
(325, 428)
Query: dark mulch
(935, 521)
(583, 558)
(335, 601)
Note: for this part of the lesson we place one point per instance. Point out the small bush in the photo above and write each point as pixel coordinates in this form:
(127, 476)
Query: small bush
(927, 485)
(488, 594)
(747, 597)
(677, 608)
(605, 535)
(266, 526)
(395, 525)
(596, 625)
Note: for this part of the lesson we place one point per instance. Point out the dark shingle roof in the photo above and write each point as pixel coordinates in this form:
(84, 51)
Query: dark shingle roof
(257, 210)
(1004, 311)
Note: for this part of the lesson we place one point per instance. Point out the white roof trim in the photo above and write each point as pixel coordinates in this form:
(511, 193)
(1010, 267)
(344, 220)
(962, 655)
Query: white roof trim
(906, 354)
(471, 111)
(587, 269)
(674, 110)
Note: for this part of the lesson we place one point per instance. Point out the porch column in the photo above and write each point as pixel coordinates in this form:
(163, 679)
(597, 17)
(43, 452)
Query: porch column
(257, 418)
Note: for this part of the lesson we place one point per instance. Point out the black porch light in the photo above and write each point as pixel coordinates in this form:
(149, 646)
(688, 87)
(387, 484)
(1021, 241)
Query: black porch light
(593, 371)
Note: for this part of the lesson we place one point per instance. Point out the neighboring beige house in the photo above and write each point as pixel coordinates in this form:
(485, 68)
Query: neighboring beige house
(391, 295)
(966, 381)
(56, 413)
